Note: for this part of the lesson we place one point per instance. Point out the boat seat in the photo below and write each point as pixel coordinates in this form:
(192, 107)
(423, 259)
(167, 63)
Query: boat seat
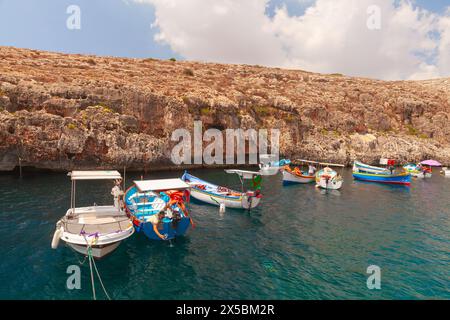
(95, 220)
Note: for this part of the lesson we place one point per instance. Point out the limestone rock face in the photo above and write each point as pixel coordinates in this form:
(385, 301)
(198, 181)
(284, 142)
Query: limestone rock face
(60, 111)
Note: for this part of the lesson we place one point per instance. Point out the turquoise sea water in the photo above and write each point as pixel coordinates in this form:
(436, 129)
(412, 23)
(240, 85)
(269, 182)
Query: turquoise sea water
(301, 243)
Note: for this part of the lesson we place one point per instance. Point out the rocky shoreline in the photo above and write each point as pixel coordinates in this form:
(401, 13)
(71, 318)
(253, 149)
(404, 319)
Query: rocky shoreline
(60, 111)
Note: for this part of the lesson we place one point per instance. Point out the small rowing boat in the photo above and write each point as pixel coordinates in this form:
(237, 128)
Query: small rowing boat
(328, 178)
(207, 192)
(390, 177)
(158, 207)
(296, 175)
(418, 171)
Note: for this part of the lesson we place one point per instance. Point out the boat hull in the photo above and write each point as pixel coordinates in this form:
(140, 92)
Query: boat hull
(269, 171)
(290, 178)
(242, 202)
(400, 179)
(330, 184)
(420, 175)
(97, 251)
(169, 229)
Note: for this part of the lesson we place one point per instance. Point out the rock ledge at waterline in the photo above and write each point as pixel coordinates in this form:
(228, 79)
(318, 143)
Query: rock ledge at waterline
(60, 111)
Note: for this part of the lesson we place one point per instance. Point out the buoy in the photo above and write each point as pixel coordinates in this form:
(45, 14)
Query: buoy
(56, 237)
(222, 208)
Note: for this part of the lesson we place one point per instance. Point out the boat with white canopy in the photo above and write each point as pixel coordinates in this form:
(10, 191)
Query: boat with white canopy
(158, 207)
(225, 197)
(98, 228)
(329, 179)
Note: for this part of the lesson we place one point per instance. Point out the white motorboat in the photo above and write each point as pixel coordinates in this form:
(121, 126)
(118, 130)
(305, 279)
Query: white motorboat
(98, 229)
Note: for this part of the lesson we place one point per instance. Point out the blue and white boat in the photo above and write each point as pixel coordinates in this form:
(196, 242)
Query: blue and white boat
(368, 173)
(204, 191)
(158, 208)
(365, 168)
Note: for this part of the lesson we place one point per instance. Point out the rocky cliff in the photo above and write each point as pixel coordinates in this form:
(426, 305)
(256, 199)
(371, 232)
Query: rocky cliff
(60, 111)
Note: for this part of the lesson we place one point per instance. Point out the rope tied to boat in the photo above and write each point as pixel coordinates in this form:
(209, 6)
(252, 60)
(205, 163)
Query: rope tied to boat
(92, 263)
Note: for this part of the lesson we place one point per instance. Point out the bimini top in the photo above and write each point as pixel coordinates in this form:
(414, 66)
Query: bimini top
(244, 174)
(332, 165)
(95, 175)
(306, 161)
(161, 185)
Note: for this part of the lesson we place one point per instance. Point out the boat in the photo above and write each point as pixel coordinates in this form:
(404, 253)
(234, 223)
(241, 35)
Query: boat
(362, 167)
(296, 175)
(95, 230)
(268, 165)
(224, 197)
(329, 179)
(445, 171)
(417, 170)
(158, 208)
(403, 178)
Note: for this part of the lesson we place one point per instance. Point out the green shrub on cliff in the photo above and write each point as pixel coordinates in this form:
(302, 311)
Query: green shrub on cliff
(173, 59)
(205, 111)
(104, 108)
(412, 131)
(71, 126)
(262, 110)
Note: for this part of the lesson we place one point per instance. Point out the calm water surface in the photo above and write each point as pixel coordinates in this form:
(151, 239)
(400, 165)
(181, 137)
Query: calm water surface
(302, 243)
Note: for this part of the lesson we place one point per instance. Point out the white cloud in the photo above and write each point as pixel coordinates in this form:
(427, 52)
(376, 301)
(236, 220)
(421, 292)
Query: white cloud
(331, 36)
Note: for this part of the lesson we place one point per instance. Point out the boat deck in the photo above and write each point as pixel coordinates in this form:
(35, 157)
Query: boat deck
(97, 219)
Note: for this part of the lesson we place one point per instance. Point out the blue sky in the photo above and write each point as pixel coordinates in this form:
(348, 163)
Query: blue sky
(108, 27)
(115, 27)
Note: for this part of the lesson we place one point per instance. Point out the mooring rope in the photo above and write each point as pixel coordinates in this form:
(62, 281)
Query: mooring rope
(92, 262)
(100, 278)
(89, 250)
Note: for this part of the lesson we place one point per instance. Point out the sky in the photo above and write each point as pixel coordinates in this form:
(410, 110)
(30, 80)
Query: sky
(383, 39)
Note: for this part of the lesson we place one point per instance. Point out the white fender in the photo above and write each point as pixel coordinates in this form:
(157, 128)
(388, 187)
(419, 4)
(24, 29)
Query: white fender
(56, 237)
(222, 208)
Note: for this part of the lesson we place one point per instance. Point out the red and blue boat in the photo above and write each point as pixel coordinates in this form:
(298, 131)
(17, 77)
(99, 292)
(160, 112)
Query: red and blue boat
(368, 173)
(158, 208)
